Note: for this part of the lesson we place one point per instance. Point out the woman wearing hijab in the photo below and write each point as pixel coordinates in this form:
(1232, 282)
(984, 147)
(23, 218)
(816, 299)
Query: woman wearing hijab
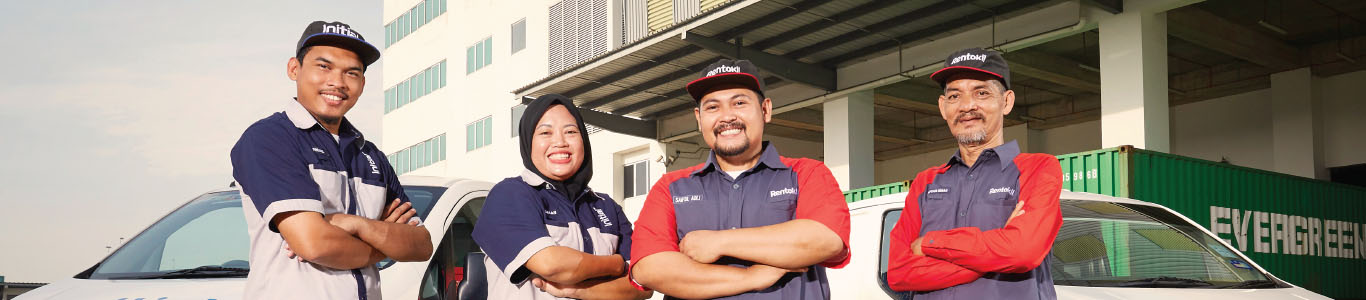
(544, 233)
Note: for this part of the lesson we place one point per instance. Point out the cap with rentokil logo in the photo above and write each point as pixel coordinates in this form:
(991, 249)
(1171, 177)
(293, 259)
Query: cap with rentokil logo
(337, 34)
(726, 71)
(974, 60)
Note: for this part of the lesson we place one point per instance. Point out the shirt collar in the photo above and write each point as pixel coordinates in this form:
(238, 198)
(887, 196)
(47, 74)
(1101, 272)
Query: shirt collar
(1005, 153)
(769, 158)
(534, 180)
(302, 119)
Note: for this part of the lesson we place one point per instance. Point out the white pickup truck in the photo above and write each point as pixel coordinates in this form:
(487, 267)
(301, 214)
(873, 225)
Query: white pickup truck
(1108, 248)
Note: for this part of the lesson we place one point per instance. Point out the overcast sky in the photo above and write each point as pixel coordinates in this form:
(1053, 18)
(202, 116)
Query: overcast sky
(112, 113)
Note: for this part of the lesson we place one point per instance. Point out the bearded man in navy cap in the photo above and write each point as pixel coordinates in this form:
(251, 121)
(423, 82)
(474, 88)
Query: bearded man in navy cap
(980, 225)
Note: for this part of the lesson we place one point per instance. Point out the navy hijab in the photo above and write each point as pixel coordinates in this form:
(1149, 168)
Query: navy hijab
(575, 184)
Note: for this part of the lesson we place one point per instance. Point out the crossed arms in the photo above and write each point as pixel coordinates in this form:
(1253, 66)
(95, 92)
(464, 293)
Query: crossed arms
(777, 249)
(683, 268)
(946, 258)
(568, 273)
(342, 241)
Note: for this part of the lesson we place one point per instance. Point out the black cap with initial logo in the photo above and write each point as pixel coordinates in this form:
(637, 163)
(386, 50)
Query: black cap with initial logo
(726, 71)
(337, 34)
(974, 60)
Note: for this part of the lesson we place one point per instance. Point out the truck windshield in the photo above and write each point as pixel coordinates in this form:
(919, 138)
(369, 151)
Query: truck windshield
(206, 237)
(1128, 245)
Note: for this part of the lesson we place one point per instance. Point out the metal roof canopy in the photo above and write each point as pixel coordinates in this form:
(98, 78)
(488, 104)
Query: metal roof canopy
(803, 42)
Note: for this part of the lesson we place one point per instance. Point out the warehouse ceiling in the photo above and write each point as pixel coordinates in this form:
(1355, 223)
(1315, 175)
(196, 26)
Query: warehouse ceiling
(1216, 48)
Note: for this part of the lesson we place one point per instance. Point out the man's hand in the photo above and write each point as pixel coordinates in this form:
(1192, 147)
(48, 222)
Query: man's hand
(764, 276)
(290, 253)
(395, 213)
(702, 246)
(557, 290)
(1019, 210)
(399, 213)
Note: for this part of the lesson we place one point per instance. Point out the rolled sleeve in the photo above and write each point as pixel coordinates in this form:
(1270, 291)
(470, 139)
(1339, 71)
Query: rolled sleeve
(820, 200)
(269, 165)
(511, 228)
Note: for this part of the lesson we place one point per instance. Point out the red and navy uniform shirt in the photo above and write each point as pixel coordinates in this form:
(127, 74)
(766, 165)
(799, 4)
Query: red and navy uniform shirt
(525, 214)
(960, 214)
(776, 190)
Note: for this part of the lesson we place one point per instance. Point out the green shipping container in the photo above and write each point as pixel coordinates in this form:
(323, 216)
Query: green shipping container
(1305, 231)
(877, 190)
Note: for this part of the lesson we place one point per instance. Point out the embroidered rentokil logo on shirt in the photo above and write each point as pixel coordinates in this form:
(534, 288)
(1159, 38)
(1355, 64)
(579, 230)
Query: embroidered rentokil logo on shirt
(1004, 189)
(786, 191)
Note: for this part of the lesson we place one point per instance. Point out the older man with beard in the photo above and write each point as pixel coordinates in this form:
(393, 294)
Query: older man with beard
(979, 226)
(748, 223)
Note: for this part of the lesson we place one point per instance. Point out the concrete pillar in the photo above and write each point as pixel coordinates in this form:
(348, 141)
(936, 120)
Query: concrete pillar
(1297, 137)
(849, 139)
(1133, 80)
(1021, 135)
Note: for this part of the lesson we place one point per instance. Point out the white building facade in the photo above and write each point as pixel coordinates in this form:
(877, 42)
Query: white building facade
(849, 80)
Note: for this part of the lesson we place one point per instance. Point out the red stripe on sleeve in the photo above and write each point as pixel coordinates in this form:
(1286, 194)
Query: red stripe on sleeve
(819, 199)
(909, 272)
(1023, 243)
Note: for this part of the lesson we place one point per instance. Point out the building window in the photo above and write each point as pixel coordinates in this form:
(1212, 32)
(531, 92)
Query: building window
(635, 179)
(421, 84)
(519, 35)
(419, 15)
(516, 118)
(422, 154)
(479, 55)
(479, 134)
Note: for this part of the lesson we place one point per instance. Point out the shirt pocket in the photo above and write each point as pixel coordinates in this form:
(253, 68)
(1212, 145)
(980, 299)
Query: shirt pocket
(1001, 199)
(991, 212)
(937, 212)
(778, 209)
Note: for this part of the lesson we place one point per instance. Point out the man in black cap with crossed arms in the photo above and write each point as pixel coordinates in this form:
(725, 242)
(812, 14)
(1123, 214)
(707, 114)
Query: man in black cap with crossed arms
(322, 204)
(980, 225)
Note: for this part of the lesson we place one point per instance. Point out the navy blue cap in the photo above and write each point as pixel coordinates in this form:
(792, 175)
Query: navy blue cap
(337, 34)
(726, 71)
(974, 60)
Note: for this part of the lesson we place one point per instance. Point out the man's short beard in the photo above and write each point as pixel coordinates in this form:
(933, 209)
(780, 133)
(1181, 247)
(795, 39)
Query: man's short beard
(973, 137)
(327, 120)
(732, 151)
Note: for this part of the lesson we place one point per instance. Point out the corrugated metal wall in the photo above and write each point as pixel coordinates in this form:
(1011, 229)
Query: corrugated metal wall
(1305, 231)
(710, 4)
(659, 14)
(578, 32)
(560, 51)
(633, 21)
(685, 9)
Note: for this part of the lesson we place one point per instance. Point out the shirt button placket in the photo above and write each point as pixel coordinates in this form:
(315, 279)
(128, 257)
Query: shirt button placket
(737, 205)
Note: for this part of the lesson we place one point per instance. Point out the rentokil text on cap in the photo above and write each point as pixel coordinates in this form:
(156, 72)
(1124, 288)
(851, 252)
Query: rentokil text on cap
(974, 60)
(726, 71)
